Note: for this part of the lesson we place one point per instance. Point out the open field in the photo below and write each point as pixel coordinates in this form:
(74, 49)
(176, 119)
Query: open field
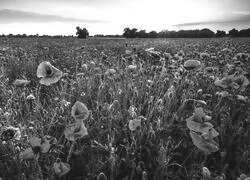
(129, 108)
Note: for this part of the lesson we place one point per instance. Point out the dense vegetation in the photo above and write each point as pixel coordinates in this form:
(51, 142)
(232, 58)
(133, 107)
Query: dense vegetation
(127, 109)
(135, 33)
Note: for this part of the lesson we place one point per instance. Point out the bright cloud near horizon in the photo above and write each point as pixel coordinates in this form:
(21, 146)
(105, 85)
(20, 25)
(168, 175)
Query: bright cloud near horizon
(60, 17)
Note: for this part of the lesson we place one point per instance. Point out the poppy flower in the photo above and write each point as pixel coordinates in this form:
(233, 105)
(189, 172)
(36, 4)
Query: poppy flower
(192, 64)
(48, 73)
(79, 111)
(226, 82)
(206, 145)
(21, 82)
(61, 168)
(101, 176)
(38, 145)
(43, 145)
(202, 128)
(205, 172)
(232, 81)
(134, 124)
(241, 80)
(30, 97)
(9, 133)
(75, 131)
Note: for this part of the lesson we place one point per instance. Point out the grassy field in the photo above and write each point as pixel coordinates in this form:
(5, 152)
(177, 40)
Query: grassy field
(127, 109)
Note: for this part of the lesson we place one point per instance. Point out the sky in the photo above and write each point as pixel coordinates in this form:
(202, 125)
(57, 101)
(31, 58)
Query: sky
(60, 17)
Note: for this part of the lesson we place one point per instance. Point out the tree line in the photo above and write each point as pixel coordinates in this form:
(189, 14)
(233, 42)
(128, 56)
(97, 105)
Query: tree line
(135, 33)
(203, 33)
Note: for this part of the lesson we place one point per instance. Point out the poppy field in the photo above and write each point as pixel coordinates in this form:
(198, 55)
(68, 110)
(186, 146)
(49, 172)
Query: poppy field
(124, 109)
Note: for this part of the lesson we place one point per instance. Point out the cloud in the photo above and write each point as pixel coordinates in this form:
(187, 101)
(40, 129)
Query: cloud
(233, 17)
(16, 16)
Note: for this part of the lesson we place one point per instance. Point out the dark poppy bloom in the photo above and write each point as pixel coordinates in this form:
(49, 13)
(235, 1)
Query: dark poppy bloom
(192, 64)
(48, 73)
(61, 168)
(9, 133)
(79, 111)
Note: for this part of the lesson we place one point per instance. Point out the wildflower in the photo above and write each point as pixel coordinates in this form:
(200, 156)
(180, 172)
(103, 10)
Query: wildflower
(21, 82)
(232, 81)
(204, 128)
(134, 124)
(75, 131)
(61, 168)
(205, 172)
(43, 145)
(208, 146)
(38, 145)
(79, 111)
(9, 133)
(201, 132)
(192, 64)
(48, 73)
(30, 97)
(101, 176)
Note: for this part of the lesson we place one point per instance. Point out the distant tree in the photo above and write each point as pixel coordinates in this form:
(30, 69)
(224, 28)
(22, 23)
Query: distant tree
(133, 32)
(206, 33)
(81, 33)
(141, 34)
(152, 34)
(233, 32)
(220, 33)
(126, 33)
(163, 34)
(130, 33)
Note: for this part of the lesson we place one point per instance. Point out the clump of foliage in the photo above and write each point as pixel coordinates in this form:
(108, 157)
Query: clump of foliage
(82, 33)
